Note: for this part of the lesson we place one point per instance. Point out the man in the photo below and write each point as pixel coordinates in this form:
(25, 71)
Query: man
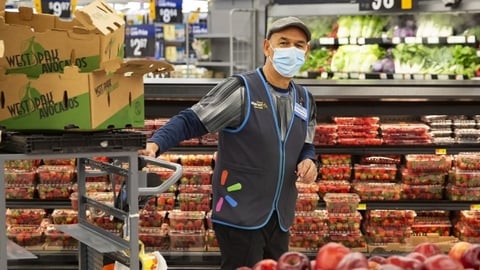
(266, 126)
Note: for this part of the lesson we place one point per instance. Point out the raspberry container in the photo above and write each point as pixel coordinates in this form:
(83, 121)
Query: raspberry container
(191, 221)
(341, 202)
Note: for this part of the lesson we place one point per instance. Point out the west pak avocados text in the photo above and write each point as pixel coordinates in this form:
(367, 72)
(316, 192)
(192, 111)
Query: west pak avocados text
(49, 59)
(44, 104)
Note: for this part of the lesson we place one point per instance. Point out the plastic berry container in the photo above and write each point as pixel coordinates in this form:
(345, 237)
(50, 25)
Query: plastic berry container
(307, 241)
(335, 172)
(390, 218)
(55, 174)
(411, 177)
(162, 201)
(428, 162)
(455, 193)
(341, 202)
(367, 120)
(310, 221)
(335, 159)
(374, 191)
(20, 176)
(154, 238)
(377, 172)
(349, 239)
(25, 216)
(58, 239)
(64, 216)
(470, 217)
(53, 191)
(23, 164)
(333, 186)
(422, 192)
(194, 201)
(25, 236)
(380, 159)
(187, 241)
(153, 218)
(325, 128)
(307, 202)
(19, 192)
(465, 178)
(185, 188)
(211, 241)
(467, 161)
(61, 161)
(191, 221)
(196, 175)
(428, 226)
(340, 222)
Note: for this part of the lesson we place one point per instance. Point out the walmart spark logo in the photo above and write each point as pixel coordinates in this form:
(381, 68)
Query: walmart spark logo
(232, 188)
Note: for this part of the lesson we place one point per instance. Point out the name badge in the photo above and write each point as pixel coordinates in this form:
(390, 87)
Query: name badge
(300, 111)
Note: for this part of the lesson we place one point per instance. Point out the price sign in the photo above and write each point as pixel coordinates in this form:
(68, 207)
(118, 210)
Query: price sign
(60, 8)
(387, 5)
(140, 41)
(168, 11)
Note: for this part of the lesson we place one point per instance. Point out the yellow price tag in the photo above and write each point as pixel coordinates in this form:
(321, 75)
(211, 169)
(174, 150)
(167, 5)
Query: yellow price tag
(475, 207)
(441, 151)
(407, 4)
(362, 206)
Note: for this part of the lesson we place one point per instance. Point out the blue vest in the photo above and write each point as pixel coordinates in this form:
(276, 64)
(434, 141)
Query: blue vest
(254, 172)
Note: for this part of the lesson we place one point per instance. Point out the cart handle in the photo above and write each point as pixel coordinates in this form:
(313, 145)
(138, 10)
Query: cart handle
(177, 174)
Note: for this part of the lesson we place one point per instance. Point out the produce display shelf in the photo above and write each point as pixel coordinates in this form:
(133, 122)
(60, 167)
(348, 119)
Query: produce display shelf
(422, 205)
(384, 76)
(396, 149)
(45, 204)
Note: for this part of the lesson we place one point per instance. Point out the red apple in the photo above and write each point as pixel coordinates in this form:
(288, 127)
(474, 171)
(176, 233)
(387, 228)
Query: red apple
(293, 260)
(417, 255)
(458, 249)
(427, 249)
(441, 262)
(471, 257)
(352, 260)
(329, 255)
(404, 262)
(265, 264)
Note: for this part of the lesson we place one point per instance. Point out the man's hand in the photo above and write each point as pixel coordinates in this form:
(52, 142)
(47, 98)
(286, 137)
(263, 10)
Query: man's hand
(150, 150)
(307, 171)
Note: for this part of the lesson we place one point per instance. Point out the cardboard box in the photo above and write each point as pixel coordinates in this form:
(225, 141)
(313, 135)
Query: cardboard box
(42, 43)
(96, 100)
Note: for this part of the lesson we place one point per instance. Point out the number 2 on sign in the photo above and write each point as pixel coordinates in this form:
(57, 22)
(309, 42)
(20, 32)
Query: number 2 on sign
(385, 4)
(137, 44)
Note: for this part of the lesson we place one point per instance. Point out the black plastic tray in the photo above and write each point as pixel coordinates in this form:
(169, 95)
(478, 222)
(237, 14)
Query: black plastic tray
(72, 142)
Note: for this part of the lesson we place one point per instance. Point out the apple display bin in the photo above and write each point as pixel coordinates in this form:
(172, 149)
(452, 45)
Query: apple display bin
(95, 242)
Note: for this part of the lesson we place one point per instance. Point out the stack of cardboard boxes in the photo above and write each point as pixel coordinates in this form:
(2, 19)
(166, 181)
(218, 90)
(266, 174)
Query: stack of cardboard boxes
(61, 74)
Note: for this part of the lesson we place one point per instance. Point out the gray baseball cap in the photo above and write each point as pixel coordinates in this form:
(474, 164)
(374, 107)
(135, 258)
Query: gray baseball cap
(286, 22)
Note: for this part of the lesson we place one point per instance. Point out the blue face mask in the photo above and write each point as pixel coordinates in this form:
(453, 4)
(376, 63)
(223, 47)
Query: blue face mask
(288, 61)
